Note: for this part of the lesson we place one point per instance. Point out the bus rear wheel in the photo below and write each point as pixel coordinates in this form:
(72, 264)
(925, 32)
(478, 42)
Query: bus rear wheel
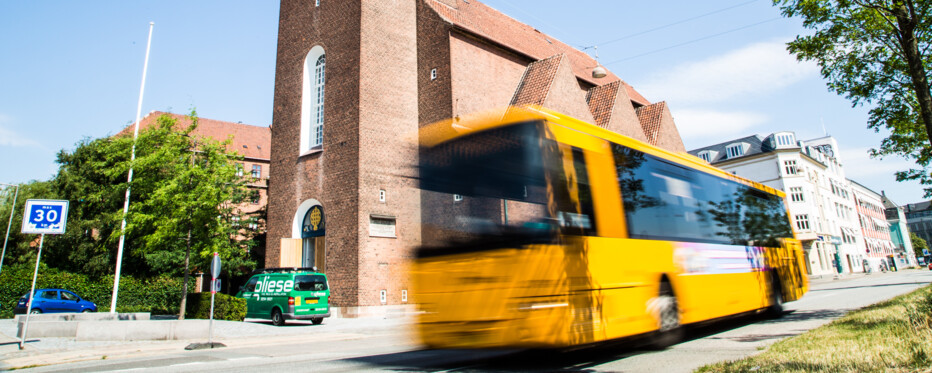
(669, 330)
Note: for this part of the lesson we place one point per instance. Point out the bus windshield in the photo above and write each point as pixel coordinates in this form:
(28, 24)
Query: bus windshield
(488, 184)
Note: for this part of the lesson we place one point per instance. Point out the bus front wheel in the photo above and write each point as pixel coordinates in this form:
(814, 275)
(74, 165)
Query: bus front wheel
(667, 310)
(775, 311)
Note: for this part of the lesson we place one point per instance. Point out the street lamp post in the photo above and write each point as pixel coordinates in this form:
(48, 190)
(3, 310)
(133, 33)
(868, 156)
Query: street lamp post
(9, 223)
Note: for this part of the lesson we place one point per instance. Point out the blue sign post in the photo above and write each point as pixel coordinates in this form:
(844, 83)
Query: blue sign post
(42, 216)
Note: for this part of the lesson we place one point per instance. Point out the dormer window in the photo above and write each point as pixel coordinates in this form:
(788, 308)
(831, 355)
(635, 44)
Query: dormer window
(734, 150)
(706, 156)
(784, 139)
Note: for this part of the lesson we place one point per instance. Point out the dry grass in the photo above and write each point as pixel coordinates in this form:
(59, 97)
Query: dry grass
(891, 336)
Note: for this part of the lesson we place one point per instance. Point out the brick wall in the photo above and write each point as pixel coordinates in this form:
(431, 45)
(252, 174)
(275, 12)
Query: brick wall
(330, 175)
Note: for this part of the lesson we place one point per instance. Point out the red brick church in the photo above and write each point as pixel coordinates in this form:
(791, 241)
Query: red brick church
(356, 79)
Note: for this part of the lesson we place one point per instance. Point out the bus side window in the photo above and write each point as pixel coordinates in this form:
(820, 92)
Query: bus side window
(572, 194)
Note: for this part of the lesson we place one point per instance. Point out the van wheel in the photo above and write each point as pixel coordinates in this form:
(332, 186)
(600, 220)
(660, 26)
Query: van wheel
(277, 318)
(666, 308)
(775, 311)
(317, 320)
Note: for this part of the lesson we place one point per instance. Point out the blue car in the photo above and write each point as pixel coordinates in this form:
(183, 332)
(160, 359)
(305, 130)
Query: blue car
(55, 301)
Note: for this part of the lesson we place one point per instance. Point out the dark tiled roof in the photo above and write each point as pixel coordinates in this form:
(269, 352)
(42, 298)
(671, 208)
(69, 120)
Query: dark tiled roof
(601, 101)
(650, 117)
(482, 20)
(536, 82)
(250, 141)
(756, 143)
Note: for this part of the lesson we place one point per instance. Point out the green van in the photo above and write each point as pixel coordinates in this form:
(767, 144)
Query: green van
(280, 294)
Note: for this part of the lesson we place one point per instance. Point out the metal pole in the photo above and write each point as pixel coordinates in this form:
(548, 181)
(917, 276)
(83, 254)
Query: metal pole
(210, 326)
(129, 179)
(12, 208)
(32, 294)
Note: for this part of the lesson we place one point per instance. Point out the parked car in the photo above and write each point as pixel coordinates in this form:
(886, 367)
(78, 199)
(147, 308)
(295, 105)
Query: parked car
(280, 294)
(55, 301)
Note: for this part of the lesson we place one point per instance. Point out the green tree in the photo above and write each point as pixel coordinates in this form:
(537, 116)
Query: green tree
(191, 209)
(876, 52)
(918, 244)
(185, 205)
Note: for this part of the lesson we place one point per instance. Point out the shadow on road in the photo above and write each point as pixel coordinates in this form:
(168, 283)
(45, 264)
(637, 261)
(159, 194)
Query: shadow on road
(577, 359)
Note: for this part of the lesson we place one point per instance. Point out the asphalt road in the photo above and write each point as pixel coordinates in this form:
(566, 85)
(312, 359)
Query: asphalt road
(374, 345)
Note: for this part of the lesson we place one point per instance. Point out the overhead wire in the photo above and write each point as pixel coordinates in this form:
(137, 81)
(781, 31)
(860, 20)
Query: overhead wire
(692, 41)
(673, 24)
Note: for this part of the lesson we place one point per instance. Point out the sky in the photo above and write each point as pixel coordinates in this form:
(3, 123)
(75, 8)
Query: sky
(72, 70)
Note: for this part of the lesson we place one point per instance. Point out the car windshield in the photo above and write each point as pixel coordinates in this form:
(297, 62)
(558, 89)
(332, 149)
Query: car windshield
(310, 283)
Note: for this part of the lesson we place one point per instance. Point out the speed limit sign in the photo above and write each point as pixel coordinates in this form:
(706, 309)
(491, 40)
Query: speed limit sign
(45, 216)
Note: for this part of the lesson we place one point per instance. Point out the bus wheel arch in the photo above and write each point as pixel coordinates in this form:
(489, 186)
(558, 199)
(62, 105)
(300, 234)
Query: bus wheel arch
(665, 307)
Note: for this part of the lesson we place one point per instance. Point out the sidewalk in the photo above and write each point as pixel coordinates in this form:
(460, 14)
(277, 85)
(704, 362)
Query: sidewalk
(817, 279)
(48, 351)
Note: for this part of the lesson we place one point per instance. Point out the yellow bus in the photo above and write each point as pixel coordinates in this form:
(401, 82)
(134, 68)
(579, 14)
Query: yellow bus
(543, 231)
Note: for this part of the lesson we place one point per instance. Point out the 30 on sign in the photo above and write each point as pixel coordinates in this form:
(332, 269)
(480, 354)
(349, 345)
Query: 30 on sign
(43, 216)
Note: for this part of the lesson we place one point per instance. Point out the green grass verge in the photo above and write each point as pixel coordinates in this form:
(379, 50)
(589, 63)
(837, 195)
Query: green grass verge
(891, 336)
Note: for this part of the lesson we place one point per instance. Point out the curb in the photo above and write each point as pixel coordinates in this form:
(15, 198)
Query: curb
(38, 358)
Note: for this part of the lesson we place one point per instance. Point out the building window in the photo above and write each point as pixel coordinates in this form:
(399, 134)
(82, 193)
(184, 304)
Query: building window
(381, 226)
(790, 167)
(312, 100)
(735, 150)
(785, 139)
(383, 296)
(404, 296)
(239, 169)
(316, 3)
(706, 156)
(433, 74)
(457, 197)
(255, 198)
(796, 194)
(381, 195)
(257, 171)
(802, 222)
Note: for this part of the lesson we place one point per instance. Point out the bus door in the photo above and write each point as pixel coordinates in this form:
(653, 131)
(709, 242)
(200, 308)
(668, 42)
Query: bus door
(788, 265)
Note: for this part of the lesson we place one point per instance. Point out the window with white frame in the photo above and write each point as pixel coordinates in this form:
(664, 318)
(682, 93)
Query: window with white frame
(734, 150)
(796, 194)
(706, 156)
(316, 3)
(457, 197)
(239, 169)
(381, 195)
(802, 222)
(785, 139)
(312, 100)
(257, 171)
(790, 167)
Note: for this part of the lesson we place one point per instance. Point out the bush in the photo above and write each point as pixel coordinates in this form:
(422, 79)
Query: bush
(226, 307)
(159, 295)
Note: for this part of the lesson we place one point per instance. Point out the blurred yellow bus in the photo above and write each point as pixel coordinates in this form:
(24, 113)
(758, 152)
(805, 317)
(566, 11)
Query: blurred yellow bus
(540, 230)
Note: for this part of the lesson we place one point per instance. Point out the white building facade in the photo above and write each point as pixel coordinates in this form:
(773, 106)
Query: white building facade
(818, 195)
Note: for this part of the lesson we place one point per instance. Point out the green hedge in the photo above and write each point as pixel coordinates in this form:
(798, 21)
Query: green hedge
(159, 296)
(226, 307)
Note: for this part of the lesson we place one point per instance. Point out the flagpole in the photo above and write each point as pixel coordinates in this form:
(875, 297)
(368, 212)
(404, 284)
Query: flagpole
(129, 178)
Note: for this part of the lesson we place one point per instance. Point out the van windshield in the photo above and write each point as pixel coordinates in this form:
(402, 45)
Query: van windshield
(310, 283)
